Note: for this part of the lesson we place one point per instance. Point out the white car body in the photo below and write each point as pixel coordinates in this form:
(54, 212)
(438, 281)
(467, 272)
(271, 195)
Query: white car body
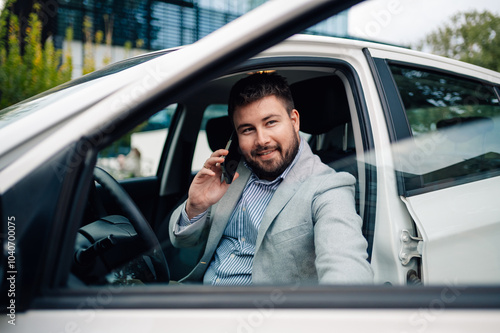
(451, 231)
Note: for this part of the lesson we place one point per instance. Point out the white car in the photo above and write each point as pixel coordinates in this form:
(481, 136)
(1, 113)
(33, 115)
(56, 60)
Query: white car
(420, 133)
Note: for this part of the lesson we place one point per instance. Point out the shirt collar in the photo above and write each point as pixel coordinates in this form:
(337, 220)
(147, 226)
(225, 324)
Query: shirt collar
(280, 178)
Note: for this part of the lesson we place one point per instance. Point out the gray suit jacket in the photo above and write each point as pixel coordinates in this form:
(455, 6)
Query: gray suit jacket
(309, 233)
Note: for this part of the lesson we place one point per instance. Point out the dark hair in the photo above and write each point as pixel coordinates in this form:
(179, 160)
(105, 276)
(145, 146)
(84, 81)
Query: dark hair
(257, 86)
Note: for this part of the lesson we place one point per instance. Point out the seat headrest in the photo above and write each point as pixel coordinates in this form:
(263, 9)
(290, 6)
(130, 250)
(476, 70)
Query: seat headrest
(322, 104)
(218, 132)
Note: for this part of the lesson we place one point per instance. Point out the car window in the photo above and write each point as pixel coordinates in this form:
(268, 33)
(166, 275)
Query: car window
(202, 150)
(138, 153)
(454, 122)
(47, 98)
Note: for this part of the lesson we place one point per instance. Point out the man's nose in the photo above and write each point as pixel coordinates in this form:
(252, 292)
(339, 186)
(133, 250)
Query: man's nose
(262, 138)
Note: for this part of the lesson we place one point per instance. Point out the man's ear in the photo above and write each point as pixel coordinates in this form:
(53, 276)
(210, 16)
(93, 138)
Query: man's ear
(295, 118)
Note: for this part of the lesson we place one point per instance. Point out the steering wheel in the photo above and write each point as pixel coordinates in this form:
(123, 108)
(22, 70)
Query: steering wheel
(111, 230)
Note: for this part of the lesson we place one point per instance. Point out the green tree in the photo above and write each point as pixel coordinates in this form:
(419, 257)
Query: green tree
(27, 71)
(473, 37)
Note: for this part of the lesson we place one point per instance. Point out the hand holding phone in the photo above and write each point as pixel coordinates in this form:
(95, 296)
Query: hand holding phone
(231, 160)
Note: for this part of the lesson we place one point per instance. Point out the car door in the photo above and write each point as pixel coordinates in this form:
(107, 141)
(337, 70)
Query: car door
(446, 146)
(50, 304)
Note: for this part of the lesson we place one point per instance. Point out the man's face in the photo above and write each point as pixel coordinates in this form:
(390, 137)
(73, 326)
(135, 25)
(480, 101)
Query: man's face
(268, 136)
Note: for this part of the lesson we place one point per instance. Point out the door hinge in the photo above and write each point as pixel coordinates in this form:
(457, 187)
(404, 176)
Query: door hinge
(411, 247)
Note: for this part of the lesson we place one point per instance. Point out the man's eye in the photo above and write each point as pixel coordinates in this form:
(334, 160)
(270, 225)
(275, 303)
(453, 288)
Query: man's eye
(271, 122)
(246, 130)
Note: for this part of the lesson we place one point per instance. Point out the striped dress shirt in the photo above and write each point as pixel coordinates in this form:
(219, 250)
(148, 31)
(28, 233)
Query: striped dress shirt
(233, 259)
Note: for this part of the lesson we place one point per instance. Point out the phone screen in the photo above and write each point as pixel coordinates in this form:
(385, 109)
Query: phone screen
(231, 160)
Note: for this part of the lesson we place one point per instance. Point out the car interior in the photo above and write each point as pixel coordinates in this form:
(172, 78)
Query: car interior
(120, 244)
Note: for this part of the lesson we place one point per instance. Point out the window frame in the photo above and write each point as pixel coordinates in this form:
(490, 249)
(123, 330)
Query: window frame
(58, 291)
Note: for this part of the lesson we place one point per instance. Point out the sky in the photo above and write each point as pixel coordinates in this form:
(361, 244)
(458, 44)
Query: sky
(406, 22)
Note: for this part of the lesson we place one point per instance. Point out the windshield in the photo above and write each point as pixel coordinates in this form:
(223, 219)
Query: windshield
(38, 102)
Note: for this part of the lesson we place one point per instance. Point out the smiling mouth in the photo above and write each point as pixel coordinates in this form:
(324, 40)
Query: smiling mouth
(266, 156)
(265, 153)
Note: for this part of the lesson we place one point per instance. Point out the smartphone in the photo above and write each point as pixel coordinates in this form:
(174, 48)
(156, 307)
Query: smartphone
(231, 160)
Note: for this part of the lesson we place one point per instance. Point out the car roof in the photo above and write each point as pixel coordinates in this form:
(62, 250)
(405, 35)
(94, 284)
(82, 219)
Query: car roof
(395, 52)
(216, 91)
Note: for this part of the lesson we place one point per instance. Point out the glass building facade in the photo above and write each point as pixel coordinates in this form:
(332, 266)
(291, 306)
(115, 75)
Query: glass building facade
(158, 24)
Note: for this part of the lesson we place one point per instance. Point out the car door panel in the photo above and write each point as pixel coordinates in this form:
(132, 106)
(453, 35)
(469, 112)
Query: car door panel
(460, 229)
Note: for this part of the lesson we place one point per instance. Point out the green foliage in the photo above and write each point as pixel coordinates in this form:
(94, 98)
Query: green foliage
(25, 73)
(472, 37)
(108, 26)
(88, 47)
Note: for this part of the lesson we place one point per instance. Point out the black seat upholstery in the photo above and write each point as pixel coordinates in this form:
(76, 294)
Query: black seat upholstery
(324, 113)
(314, 97)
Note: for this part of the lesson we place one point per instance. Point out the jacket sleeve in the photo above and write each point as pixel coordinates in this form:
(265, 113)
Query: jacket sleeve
(186, 236)
(339, 243)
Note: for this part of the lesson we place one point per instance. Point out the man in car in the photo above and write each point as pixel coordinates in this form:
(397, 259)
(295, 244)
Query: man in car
(287, 218)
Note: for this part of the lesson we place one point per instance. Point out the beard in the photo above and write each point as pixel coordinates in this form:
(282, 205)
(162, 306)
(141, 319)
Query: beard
(270, 170)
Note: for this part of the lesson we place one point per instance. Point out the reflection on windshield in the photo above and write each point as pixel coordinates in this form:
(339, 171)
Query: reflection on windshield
(22, 109)
(460, 147)
(454, 124)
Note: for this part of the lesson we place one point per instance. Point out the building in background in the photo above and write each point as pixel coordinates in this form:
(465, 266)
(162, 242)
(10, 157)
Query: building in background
(130, 27)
